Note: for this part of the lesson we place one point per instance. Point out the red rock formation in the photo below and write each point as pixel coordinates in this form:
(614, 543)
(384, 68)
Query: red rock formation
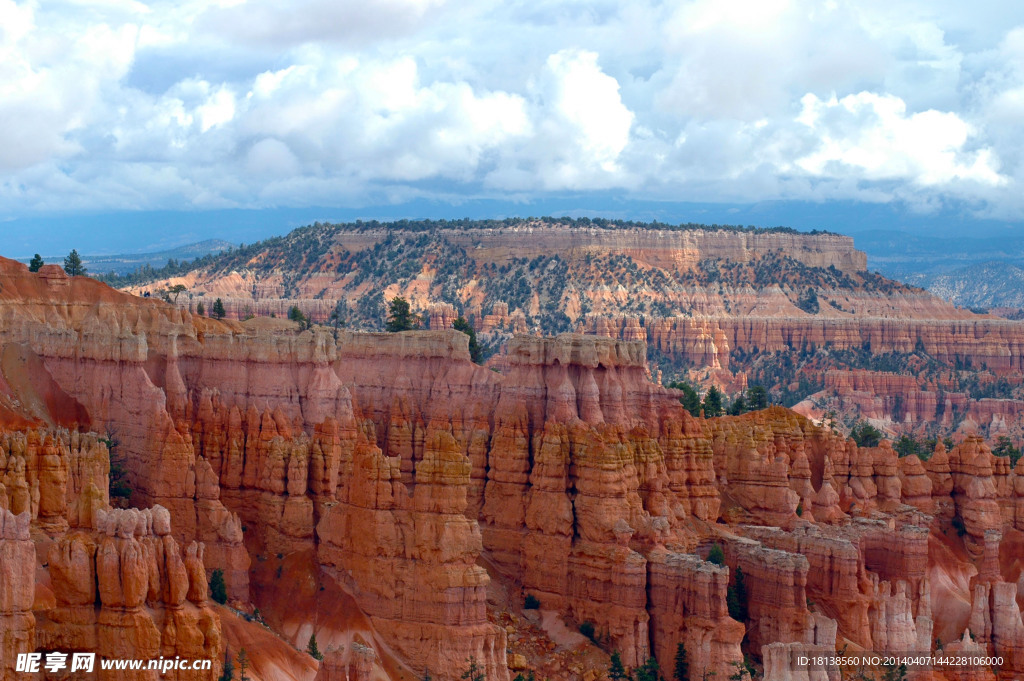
(153, 599)
(441, 316)
(568, 472)
(59, 477)
(777, 595)
(688, 604)
(410, 558)
(971, 466)
(353, 665)
(17, 588)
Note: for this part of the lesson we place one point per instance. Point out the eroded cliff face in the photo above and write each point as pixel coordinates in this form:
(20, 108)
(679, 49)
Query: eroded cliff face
(719, 306)
(406, 469)
(79, 576)
(152, 595)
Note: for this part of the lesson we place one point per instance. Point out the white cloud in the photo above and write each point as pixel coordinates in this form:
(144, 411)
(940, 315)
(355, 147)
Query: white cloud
(159, 104)
(268, 23)
(587, 100)
(874, 136)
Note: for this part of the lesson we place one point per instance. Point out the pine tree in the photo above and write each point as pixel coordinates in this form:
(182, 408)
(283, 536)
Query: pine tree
(808, 301)
(201, 309)
(35, 263)
(690, 399)
(682, 668)
(312, 648)
(757, 398)
(741, 593)
(738, 406)
(474, 673)
(296, 315)
(648, 671)
(616, 672)
(713, 403)
(218, 589)
(716, 555)
(400, 316)
(176, 291)
(73, 264)
(218, 310)
(229, 669)
(243, 665)
(736, 597)
(741, 672)
(475, 352)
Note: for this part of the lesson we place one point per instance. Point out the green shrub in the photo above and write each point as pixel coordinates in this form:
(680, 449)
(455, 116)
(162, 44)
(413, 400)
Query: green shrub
(313, 649)
(865, 434)
(218, 588)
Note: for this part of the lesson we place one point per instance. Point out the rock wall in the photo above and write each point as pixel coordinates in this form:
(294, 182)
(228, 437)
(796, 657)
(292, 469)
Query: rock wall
(17, 590)
(152, 596)
(405, 466)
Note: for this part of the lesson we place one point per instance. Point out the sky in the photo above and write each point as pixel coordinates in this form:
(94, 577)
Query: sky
(126, 124)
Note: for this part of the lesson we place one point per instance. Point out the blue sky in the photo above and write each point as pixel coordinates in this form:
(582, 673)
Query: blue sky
(127, 125)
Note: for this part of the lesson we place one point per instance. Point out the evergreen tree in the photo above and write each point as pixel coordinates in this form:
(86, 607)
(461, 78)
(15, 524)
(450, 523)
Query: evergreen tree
(741, 672)
(218, 589)
(338, 315)
(808, 301)
(35, 263)
(757, 398)
(73, 264)
(892, 672)
(400, 316)
(243, 665)
(716, 555)
(738, 406)
(296, 315)
(474, 673)
(475, 351)
(616, 672)
(118, 488)
(736, 597)
(865, 434)
(176, 291)
(682, 668)
(1004, 447)
(201, 309)
(312, 648)
(648, 671)
(713, 403)
(229, 668)
(218, 310)
(690, 399)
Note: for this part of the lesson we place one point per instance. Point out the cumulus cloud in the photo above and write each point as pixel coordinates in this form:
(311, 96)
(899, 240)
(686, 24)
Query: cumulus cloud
(267, 23)
(249, 103)
(873, 135)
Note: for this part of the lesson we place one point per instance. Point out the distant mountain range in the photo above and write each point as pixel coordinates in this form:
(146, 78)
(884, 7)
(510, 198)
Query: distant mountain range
(129, 262)
(971, 272)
